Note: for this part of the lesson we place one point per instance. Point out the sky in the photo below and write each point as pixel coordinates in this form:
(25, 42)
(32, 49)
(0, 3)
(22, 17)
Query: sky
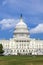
(32, 11)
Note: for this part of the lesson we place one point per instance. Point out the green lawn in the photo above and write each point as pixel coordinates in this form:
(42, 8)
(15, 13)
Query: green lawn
(21, 60)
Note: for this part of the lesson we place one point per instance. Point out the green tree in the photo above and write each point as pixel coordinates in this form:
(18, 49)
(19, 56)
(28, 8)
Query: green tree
(1, 49)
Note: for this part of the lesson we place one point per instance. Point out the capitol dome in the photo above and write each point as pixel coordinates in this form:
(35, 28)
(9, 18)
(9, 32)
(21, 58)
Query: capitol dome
(21, 24)
(21, 28)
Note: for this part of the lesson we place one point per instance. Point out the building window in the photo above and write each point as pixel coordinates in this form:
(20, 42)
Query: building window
(20, 50)
(14, 50)
(26, 51)
(23, 50)
(20, 44)
(17, 41)
(24, 44)
(11, 51)
(17, 51)
(17, 47)
(28, 47)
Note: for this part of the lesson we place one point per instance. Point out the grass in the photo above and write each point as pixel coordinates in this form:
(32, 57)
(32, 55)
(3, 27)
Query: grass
(21, 60)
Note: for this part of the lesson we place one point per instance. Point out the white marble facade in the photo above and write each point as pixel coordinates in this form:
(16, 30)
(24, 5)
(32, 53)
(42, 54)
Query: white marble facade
(21, 43)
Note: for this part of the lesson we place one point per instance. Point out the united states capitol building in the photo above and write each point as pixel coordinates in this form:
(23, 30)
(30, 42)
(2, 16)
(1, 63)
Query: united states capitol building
(21, 43)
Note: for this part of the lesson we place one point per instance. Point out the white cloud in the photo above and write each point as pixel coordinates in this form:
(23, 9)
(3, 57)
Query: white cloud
(8, 23)
(37, 29)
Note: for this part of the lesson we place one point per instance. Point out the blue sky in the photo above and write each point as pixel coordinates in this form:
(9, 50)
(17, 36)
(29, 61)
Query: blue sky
(32, 11)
